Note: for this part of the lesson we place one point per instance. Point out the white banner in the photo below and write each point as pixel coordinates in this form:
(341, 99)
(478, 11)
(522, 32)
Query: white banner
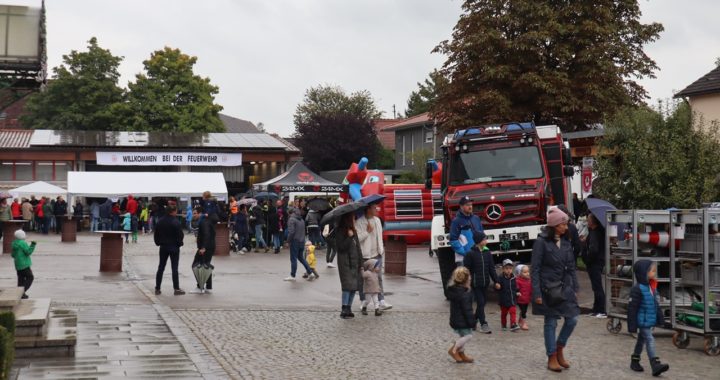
(168, 159)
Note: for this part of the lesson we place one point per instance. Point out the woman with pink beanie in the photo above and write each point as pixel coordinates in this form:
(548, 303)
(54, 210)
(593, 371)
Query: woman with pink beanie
(555, 286)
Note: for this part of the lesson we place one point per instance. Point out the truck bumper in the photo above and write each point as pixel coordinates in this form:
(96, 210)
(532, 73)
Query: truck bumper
(510, 240)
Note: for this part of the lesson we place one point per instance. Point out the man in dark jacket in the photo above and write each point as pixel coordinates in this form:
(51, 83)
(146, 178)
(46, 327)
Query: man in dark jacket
(296, 237)
(241, 229)
(205, 243)
(273, 227)
(106, 215)
(59, 210)
(169, 237)
(479, 262)
(594, 257)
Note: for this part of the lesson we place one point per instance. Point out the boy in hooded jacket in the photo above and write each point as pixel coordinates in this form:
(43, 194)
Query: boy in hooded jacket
(508, 294)
(479, 262)
(643, 314)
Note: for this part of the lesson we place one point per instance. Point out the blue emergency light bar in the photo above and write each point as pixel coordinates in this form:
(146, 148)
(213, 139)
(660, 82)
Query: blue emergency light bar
(496, 128)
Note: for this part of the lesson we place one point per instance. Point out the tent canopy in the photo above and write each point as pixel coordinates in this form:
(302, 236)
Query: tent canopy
(299, 179)
(145, 184)
(38, 189)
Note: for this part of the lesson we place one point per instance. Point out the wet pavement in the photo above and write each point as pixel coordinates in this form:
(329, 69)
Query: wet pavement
(254, 325)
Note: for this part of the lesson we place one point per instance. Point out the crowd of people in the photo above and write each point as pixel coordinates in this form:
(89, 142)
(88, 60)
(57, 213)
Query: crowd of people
(41, 215)
(549, 284)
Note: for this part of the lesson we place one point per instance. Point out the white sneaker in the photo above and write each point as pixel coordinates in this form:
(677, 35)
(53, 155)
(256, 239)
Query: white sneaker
(311, 277)
(601, 315)
(208, 291)
(331, 265)
(243, 251)
(196, 291)
(289, 278)
(385, 306)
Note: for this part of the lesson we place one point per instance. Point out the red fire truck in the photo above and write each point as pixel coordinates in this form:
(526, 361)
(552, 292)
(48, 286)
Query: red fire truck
(512, 172)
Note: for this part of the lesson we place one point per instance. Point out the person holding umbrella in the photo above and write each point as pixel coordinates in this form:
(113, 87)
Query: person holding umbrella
(593, 255)
(349, 261)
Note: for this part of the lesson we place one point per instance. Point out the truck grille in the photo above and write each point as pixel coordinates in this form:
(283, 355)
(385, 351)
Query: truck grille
(513, 213)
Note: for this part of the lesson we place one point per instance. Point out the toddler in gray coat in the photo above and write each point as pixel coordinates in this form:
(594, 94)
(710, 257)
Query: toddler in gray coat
(371, 285)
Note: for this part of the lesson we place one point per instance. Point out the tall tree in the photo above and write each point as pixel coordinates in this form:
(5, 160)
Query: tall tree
(422, 100)
(334, 129)
(552, 61)
(170, 97)
(657, 161)
(81, 95)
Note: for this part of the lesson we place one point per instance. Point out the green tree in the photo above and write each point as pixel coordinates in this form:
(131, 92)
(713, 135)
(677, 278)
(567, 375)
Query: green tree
(656, 161)
(170, 97)
(422, 100)
(555, 62)
(385, 158)
(334, 129)
(81, 95)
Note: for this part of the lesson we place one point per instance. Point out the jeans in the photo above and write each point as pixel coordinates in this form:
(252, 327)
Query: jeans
(259, 241)
(46, 225)
(480, 299)
(595, 273)
(94, 224)
(276, 240)
(645, 336)
(550, 328)
(347, 298)
(174, 254)
(296, 253)
(381, 296)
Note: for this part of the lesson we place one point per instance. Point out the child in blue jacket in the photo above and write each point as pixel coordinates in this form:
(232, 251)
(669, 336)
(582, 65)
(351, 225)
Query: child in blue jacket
(644, 313)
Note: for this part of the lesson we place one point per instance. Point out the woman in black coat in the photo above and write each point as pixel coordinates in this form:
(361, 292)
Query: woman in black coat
(349, 262)
(553, 274)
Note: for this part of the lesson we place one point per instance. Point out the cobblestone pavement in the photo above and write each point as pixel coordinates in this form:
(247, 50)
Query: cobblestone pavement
(403, 345)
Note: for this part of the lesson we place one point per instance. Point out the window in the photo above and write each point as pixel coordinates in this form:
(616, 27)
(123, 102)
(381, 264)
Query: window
(6, 171)
(495, 165)
(412, 150)
(403, 151)
(428, 137)
(61, 170)
(44, 171)
(24, 171)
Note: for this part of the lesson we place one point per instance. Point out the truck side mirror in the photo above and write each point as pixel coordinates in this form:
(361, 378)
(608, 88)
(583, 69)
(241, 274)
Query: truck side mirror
(428, 174)
(569, 171)
(567, 156)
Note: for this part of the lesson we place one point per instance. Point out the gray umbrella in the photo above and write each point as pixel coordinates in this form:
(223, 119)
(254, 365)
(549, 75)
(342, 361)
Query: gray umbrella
(342, 210)
(202, 273)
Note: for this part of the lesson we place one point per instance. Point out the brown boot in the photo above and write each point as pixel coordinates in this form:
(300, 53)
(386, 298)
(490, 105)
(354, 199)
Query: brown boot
(465, 358)
(560, 358)
(553, 363)
(454, 354)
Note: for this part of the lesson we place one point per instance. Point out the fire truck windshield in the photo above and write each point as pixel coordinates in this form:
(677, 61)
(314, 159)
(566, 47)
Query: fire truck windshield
(495, 165)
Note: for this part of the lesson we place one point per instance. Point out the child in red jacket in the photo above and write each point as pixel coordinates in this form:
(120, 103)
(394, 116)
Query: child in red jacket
(525, 289)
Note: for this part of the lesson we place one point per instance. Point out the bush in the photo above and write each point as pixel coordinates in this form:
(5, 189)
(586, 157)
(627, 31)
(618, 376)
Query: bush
(7, 320)
(7, 352)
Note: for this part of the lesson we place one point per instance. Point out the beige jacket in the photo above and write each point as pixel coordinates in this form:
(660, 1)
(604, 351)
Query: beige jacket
(371, 243)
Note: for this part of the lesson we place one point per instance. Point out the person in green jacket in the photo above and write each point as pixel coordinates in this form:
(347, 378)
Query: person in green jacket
(21, 252)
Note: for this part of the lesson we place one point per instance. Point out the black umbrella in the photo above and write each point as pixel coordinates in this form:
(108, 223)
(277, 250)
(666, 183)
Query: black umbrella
(599, 208)
(318, 204)
(342, 210)
(265, 196)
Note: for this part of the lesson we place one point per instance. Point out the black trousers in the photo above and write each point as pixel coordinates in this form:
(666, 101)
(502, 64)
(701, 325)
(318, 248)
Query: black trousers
(480, 299)
(173, 253)
(25, 278)
(203, 259)
(595, 273)
(523, 310)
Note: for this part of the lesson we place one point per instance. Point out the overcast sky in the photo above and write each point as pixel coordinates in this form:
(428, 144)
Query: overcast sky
(264, 54)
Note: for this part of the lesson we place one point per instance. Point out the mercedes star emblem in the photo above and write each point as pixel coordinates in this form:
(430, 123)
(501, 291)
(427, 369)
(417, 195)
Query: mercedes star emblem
(493, 212)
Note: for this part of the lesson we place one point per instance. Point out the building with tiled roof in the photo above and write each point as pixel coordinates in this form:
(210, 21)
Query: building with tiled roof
(386, 137)
(414, 134)
(703, 95)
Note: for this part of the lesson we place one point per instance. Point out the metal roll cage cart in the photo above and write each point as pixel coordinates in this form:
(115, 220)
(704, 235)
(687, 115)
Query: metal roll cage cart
(696, 277)
(649, 240)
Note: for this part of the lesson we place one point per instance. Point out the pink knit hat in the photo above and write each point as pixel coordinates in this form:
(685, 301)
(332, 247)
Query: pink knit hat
(555, 217)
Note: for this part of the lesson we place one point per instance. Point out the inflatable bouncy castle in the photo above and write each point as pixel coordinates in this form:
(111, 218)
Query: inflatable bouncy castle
(408, 209)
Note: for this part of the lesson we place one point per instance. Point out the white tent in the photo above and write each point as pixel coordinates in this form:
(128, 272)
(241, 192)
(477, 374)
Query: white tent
(145, 184)
(38, 189)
